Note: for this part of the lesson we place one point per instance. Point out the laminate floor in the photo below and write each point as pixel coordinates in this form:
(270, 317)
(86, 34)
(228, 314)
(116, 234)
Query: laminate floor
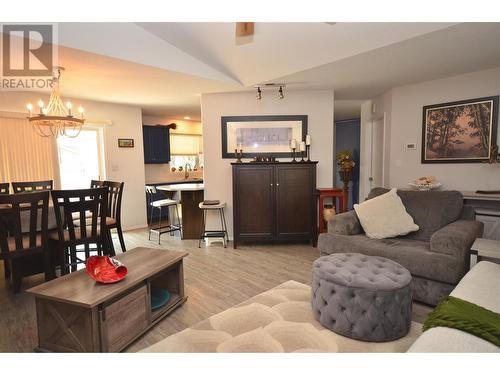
(216, 278)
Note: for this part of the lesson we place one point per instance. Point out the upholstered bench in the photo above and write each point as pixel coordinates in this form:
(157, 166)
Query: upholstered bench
(363, 297)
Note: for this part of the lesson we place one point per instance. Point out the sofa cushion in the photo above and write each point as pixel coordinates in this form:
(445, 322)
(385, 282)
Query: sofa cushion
(414, 255)
(431, 210)
(385, 216)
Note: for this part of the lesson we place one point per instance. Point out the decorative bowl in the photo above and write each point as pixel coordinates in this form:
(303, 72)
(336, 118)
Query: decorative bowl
(104, 269)
(430, 186)
(159, 297)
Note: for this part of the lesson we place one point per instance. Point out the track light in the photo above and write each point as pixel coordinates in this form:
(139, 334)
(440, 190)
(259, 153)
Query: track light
(280, 93)
(259, 94)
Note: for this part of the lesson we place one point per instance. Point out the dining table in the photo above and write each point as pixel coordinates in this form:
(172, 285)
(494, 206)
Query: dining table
(25, 217)
(191, 194)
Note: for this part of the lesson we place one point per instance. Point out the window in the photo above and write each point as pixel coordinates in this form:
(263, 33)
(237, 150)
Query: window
(185, 144)
(186, 150)
(179, 162)
(24, 155)
(80, 159)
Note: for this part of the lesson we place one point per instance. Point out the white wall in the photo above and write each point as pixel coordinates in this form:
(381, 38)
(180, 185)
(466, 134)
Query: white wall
(407, 103)
(317, 104)
(122, 164)
(403, 107)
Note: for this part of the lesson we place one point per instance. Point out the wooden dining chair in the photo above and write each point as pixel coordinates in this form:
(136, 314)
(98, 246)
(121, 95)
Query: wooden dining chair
(96, 183)
(25, 249)
(4, 188)
(86, 228)
(31, 186)
(115, 193)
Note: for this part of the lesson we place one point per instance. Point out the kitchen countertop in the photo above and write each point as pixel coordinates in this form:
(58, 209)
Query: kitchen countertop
(176, 182)
(181, 187)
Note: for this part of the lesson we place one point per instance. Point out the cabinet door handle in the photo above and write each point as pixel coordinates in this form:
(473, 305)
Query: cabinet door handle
(277, 184)
(271, 184)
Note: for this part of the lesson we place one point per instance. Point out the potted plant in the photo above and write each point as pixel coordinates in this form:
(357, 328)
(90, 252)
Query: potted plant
(345, 160)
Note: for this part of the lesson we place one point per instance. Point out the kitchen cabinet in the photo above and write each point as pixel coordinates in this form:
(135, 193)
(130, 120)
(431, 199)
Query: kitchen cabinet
(156, 144)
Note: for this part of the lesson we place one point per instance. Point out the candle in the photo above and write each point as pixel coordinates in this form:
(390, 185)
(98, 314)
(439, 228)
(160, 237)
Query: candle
(40, 104)
(308, 140)
(302, 146)
(293, 144)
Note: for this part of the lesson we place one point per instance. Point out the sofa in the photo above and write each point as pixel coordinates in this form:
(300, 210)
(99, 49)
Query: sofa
(479, 286)
(437, 255)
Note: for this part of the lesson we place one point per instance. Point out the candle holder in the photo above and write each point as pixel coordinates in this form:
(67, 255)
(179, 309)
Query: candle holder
(308, 152)
(293, 153)
(302, 157)
(239, 155)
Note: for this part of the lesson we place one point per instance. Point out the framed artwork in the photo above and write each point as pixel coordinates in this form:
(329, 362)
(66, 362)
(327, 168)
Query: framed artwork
(261, 135)
(459, 132)
(125, 142)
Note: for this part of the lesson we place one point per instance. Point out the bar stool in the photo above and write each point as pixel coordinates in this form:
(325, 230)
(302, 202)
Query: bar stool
(220, 233)
(159, 204)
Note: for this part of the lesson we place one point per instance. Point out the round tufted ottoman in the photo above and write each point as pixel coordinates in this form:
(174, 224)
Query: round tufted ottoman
(363, 297)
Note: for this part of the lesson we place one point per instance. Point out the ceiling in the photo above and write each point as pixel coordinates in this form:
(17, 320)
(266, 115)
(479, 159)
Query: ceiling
(164, 67)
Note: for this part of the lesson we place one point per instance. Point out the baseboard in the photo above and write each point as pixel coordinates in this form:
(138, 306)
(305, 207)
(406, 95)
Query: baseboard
(139, 226)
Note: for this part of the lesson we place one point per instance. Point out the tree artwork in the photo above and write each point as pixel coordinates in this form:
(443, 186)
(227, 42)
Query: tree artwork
(461, 131)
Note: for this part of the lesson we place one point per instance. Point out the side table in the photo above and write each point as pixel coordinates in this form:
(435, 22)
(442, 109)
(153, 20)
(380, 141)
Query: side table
(337, 195)
(485, 248)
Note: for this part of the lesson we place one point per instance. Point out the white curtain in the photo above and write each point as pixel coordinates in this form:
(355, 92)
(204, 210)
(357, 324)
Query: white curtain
(185, 144)
(24, 155)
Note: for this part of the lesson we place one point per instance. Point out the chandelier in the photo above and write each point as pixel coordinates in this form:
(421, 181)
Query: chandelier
(55, 119)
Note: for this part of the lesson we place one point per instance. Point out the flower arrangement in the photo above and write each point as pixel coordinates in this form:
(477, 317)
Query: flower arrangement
(345, 160)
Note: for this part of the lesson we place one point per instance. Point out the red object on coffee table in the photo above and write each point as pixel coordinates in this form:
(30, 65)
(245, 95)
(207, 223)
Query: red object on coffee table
(105, 270)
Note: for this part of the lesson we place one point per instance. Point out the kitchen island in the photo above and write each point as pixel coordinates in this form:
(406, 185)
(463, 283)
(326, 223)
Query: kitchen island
(190, 196)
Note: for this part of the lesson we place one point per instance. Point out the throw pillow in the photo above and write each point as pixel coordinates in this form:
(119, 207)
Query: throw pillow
(385, 216)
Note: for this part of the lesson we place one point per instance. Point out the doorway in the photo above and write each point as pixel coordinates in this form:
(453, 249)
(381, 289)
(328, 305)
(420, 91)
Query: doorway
(376, 178)
(81, 159)
(347, 135)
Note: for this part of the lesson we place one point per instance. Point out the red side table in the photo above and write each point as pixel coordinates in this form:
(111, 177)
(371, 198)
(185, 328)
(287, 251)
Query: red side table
(339, 198)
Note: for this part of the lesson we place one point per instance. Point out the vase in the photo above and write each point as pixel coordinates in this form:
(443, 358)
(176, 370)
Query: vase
(328, 212)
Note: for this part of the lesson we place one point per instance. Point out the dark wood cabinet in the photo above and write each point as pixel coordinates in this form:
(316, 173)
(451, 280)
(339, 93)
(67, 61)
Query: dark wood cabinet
(274, 202)
(156, 144)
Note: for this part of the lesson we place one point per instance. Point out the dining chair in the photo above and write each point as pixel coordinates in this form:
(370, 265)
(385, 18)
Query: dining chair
(25, 251)
(114, 221)
(85, 228)
(96, 183)
(4, 188)
(31, 186)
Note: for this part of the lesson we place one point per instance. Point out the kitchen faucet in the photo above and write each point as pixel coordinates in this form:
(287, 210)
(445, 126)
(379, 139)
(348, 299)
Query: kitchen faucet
(186, 172)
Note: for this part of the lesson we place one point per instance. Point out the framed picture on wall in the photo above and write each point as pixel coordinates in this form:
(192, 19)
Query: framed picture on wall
(261, 135)
(125, 142)
(459, 132)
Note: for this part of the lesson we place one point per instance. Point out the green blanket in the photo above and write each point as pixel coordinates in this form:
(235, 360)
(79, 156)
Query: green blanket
(459, 314)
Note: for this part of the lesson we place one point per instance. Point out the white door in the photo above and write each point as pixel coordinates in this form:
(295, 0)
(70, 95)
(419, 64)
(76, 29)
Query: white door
(80, 159)
(377, 154)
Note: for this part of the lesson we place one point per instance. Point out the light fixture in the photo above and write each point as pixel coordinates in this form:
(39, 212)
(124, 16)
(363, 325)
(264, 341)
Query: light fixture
(55, 119)
(271, 85)
(259, 93)
(187, 118)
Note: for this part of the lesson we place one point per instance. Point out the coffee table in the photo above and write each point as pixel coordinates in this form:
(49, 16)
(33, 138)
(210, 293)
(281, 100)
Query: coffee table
(485, 248)
(77, 314)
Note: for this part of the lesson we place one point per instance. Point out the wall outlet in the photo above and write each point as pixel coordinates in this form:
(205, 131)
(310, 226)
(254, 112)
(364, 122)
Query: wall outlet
(411, 146)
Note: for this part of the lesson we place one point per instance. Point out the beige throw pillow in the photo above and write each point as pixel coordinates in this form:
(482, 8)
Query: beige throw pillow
(385, 216)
